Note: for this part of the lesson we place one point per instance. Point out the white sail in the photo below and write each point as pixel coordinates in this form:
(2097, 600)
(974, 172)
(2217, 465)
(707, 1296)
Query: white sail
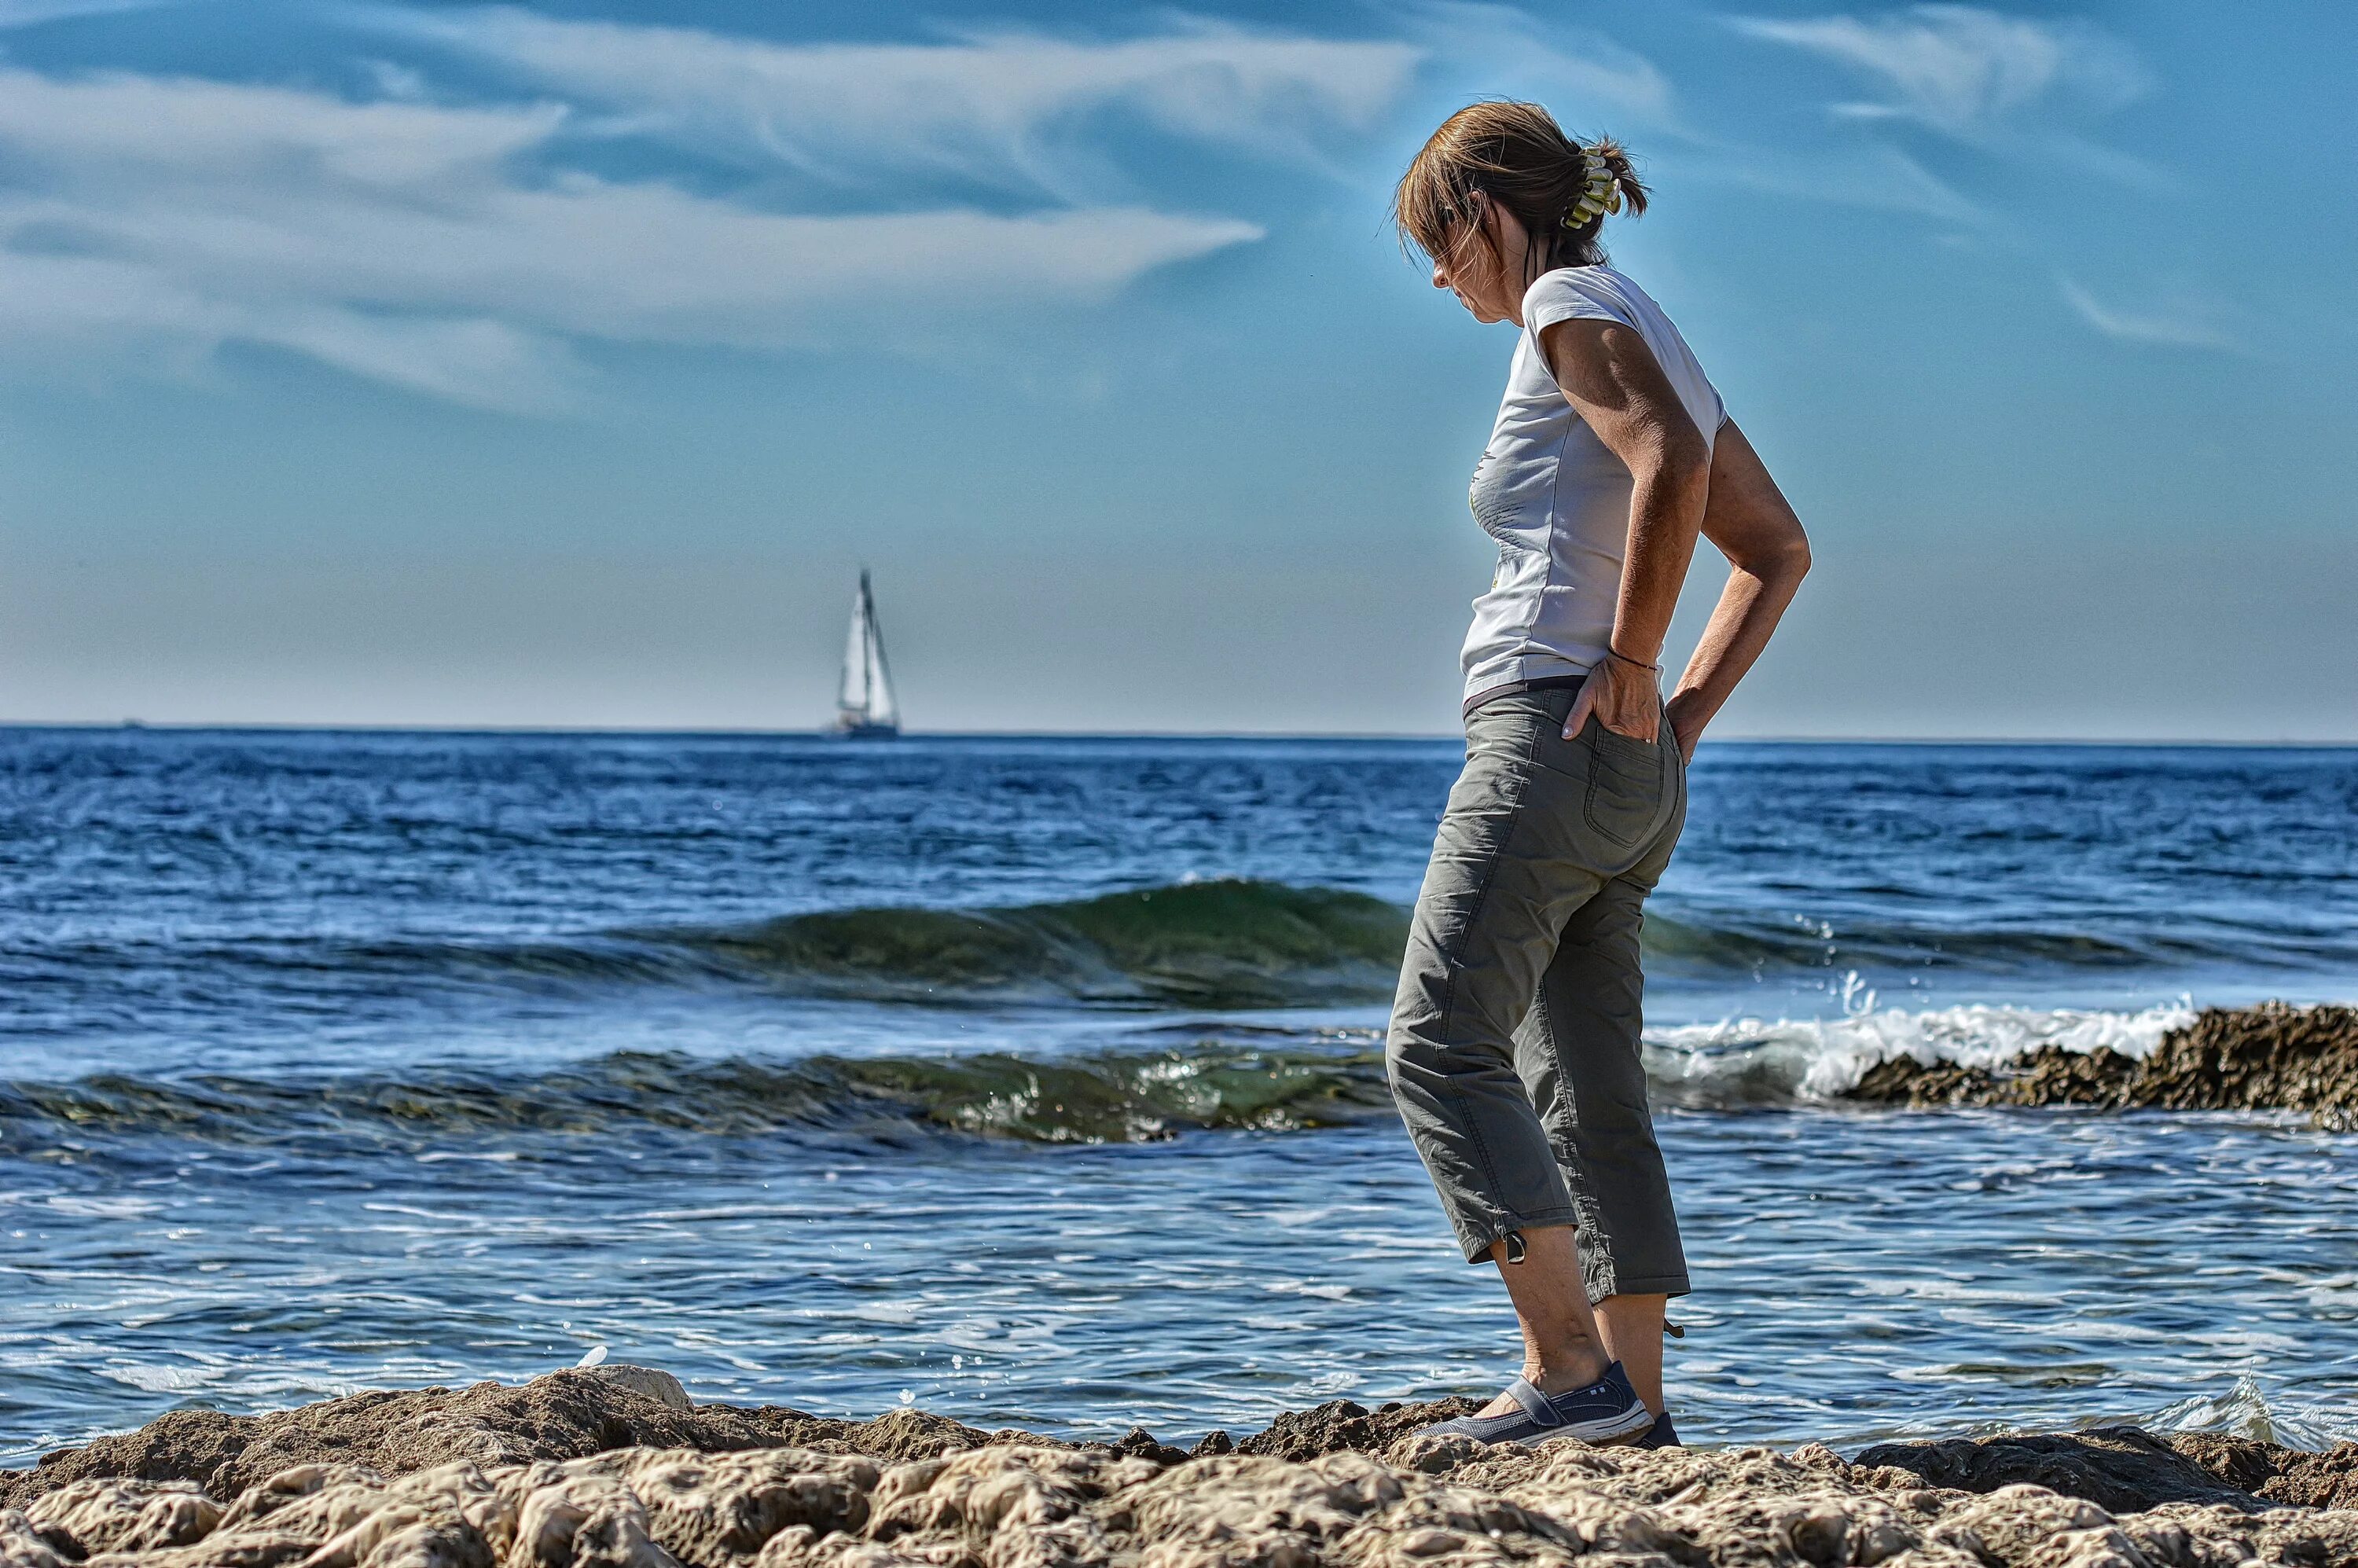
(865, 701)
(852, 699)
(882, 709)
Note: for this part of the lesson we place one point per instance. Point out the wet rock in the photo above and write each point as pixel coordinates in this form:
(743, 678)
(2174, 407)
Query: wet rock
(1140, 1444)
(2269, 1058)
(2118, 1468)
(1340, 1424)
(2049, 1075)
(2327, 1480)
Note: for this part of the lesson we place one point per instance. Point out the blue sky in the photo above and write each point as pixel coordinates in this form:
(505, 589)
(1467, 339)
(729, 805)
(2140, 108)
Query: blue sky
(391, 362)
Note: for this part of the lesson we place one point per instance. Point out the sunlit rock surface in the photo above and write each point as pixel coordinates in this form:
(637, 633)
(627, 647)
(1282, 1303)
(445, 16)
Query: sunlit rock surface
(576, 1470)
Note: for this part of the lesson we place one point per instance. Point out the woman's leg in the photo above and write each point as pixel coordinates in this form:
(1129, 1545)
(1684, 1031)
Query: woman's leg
(1562, 1348)
(1631, 1329)
(1580, 1054)
(1536, 827)
(1502, 882)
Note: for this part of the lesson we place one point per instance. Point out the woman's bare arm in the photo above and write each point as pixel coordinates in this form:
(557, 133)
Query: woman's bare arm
(1768, 553)
(1611, 378)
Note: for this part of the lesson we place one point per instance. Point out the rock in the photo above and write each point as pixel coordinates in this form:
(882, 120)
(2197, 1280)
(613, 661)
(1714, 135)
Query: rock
(2049, 1075)
(574, 1484)
(660, 1387)
(102, 1514)
(895, 1435)
(2327, 1480)
(2269, 1058)
(2118, 1468)
(723, 1508)
(22, 1546)
(1340, 1424)
(1141, 1443)
(563, 1415)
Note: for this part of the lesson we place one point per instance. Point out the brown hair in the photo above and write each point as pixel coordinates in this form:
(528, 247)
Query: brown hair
(1516, 155)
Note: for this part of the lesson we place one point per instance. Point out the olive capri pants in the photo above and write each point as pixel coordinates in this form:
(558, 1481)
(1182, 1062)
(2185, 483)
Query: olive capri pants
(1513, 1052)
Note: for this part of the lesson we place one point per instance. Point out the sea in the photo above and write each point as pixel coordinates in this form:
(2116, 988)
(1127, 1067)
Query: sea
(1038, 1082)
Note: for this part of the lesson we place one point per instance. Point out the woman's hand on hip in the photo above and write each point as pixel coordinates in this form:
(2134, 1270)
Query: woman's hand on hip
(1626, 697)
(1687, 716)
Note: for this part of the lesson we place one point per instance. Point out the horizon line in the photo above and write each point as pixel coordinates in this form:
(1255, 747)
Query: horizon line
(360, 728)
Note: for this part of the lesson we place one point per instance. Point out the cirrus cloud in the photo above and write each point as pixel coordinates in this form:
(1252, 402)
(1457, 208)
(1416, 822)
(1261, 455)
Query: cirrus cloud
(452, 250)
(1964, 71)
(1010, 108)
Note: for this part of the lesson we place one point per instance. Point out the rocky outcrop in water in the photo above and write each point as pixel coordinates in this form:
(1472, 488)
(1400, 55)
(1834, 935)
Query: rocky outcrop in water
(605, 1470)
(2269, 1058)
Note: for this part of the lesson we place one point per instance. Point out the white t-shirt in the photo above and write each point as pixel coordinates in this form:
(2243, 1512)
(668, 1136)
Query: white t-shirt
(1555, 498)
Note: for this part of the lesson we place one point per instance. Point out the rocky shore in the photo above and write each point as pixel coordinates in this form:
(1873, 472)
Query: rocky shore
(615, 1468)
(2269, 1058)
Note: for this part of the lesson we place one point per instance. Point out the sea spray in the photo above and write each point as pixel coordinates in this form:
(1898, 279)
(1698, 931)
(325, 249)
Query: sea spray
(1818, 1058)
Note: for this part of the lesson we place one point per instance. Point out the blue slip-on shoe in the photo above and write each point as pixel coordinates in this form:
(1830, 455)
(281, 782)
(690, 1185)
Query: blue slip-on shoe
(1607, 1410)
(1662, 1435)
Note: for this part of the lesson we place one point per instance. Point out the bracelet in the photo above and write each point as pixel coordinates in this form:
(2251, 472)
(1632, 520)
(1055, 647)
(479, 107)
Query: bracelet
(1626, 659)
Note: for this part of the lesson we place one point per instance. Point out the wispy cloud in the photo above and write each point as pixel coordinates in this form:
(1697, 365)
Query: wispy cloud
(1877, 178)
(31, 13)
(469, 251)
(1597, 83)
(1963, 70)
(2185, 323)
(423, 245)
(1014, 109)
(1593, 81)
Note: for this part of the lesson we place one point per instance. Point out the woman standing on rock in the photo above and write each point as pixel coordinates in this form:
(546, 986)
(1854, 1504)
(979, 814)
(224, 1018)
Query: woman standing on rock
(1514, 1046)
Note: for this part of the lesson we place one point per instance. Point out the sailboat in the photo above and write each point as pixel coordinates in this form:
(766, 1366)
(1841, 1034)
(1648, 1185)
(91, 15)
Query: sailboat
(864, 708)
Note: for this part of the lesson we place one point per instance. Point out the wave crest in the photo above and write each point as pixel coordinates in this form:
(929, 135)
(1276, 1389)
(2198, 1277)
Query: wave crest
(1110, 1097)
(1226, 943)
(1268, 1080)
(1231, 943)
(1752, 1060)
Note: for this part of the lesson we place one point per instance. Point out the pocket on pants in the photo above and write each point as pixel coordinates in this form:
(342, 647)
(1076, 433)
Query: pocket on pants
(1625, 784)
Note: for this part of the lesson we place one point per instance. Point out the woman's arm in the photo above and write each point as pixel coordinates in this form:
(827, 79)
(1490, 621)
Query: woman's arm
(1747, 517)
(1612, 379)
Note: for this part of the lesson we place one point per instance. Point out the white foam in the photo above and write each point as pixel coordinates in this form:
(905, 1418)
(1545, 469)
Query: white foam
(1819, 1058)
(2245, 1411)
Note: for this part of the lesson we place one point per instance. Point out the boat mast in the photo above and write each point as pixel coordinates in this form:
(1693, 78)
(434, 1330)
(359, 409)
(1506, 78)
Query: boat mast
(867, 643)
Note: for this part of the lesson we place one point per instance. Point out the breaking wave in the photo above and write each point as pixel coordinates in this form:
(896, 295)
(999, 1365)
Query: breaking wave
(1755, 1061)
(1265, 1080)
(1209, 943)
(1112, 1097)
(1224, 944)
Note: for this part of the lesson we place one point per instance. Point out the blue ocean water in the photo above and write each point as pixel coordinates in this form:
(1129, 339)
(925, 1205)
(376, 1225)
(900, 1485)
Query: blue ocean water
(1038, 1081)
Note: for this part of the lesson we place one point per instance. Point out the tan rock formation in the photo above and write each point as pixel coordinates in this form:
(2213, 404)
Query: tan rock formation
(931, 1494)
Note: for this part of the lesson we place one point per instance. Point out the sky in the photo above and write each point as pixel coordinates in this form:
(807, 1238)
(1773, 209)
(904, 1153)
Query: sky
(381, 363)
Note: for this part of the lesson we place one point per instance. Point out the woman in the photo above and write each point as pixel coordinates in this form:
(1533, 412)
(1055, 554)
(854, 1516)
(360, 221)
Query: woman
(1513, 1051)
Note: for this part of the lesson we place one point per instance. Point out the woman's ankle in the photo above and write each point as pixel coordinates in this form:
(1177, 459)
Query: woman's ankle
(1574, 1367)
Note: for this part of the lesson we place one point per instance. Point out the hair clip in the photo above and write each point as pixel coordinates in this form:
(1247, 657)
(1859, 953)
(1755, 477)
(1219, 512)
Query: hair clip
(1603, 194)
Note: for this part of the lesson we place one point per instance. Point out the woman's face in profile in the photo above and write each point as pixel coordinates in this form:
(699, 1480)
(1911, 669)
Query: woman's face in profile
(1477, 272)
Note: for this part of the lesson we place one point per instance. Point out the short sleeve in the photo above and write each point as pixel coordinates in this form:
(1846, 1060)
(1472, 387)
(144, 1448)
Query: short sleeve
(1558, 297)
